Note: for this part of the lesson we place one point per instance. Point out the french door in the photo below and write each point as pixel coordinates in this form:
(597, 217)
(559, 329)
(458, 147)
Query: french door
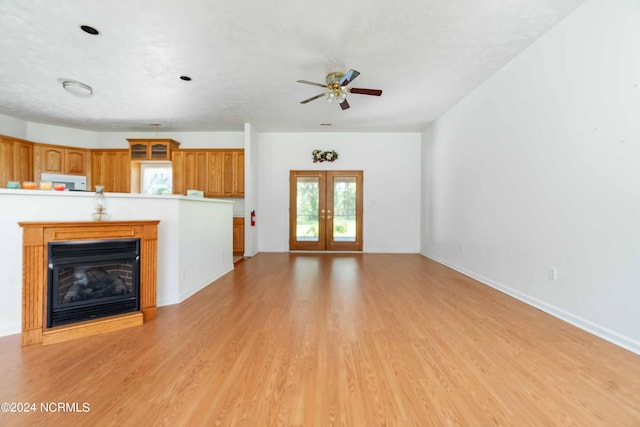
(325, 210)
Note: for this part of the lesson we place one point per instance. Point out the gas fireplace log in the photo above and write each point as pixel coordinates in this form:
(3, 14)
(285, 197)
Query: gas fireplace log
(94, 282)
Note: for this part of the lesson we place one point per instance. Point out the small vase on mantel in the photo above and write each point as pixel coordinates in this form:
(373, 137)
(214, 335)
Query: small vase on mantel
(100, 213)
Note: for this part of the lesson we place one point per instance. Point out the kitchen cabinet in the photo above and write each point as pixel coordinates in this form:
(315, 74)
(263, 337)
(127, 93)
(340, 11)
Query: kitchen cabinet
(76, 161)
(152, 149)
(16, 160)
(111, 168)
(239, 173)
(23, 160)
(238, 236)
(233, 173)
(60, 160)
(6, 162)
(216, 172)
(189, 171)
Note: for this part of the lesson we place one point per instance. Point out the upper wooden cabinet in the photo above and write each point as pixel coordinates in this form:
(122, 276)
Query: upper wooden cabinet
(62, 160)
(76, 161)
(23, 161)
(152, 149)
(189, 171)
(216, 172)
(111, 168)
(215, 178)
(239, 173)
(16, 160)
(6, 162)
(233, 173)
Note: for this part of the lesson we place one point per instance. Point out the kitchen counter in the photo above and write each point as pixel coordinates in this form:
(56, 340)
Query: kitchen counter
(53, 193)
(195, 239)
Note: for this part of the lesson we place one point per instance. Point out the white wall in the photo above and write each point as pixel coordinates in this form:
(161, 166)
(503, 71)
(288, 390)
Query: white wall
(251, 169)
(49, 134)
(391, 165)
(13, 127)
(59, 135)
(204, 259)
(540, 168)
(186, 139)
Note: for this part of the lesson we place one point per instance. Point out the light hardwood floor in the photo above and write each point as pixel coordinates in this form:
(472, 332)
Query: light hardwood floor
(343, 339)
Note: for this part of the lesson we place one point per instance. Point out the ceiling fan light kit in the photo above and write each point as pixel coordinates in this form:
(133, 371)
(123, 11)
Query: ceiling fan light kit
(336, 85)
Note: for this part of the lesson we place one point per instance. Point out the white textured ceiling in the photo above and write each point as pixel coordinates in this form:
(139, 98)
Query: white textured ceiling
(245, 56)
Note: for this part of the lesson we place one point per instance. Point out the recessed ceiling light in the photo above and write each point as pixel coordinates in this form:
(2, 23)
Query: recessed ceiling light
(185, 78)
(77, 88)
(89, 30)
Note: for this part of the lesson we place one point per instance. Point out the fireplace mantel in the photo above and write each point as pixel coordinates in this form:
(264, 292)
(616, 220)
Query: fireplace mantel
(35, 239)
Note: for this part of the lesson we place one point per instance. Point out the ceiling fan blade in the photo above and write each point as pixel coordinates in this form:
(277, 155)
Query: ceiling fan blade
(312, 98)
(361, 91)
(349, 77)
(344, 104)
(311, 83)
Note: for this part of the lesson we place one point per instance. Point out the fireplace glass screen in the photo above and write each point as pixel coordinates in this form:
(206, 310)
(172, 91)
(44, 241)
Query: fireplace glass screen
(92, 279)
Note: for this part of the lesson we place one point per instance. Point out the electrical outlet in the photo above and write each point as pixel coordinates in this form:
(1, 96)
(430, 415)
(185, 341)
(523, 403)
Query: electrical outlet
(553, 274)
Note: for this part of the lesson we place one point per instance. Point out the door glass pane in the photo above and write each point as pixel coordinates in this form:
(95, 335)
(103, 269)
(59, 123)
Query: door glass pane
(307, 201)
(344, 209)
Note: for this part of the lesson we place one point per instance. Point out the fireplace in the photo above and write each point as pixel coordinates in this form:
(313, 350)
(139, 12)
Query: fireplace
(92, 279)
(96, 277)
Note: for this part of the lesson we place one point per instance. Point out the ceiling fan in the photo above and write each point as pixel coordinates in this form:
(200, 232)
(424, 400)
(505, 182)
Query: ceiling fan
(337, 88)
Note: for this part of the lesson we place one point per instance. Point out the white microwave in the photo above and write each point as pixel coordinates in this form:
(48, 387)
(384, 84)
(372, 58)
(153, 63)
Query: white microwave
(71, 182)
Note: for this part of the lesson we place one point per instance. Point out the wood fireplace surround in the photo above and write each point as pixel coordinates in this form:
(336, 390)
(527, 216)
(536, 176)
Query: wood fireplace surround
(35, 239)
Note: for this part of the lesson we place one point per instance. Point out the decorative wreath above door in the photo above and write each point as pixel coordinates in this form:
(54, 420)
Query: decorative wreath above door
(324, 156)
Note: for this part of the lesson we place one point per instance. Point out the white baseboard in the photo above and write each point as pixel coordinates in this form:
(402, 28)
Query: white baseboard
(162, 302)
(593, 328)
